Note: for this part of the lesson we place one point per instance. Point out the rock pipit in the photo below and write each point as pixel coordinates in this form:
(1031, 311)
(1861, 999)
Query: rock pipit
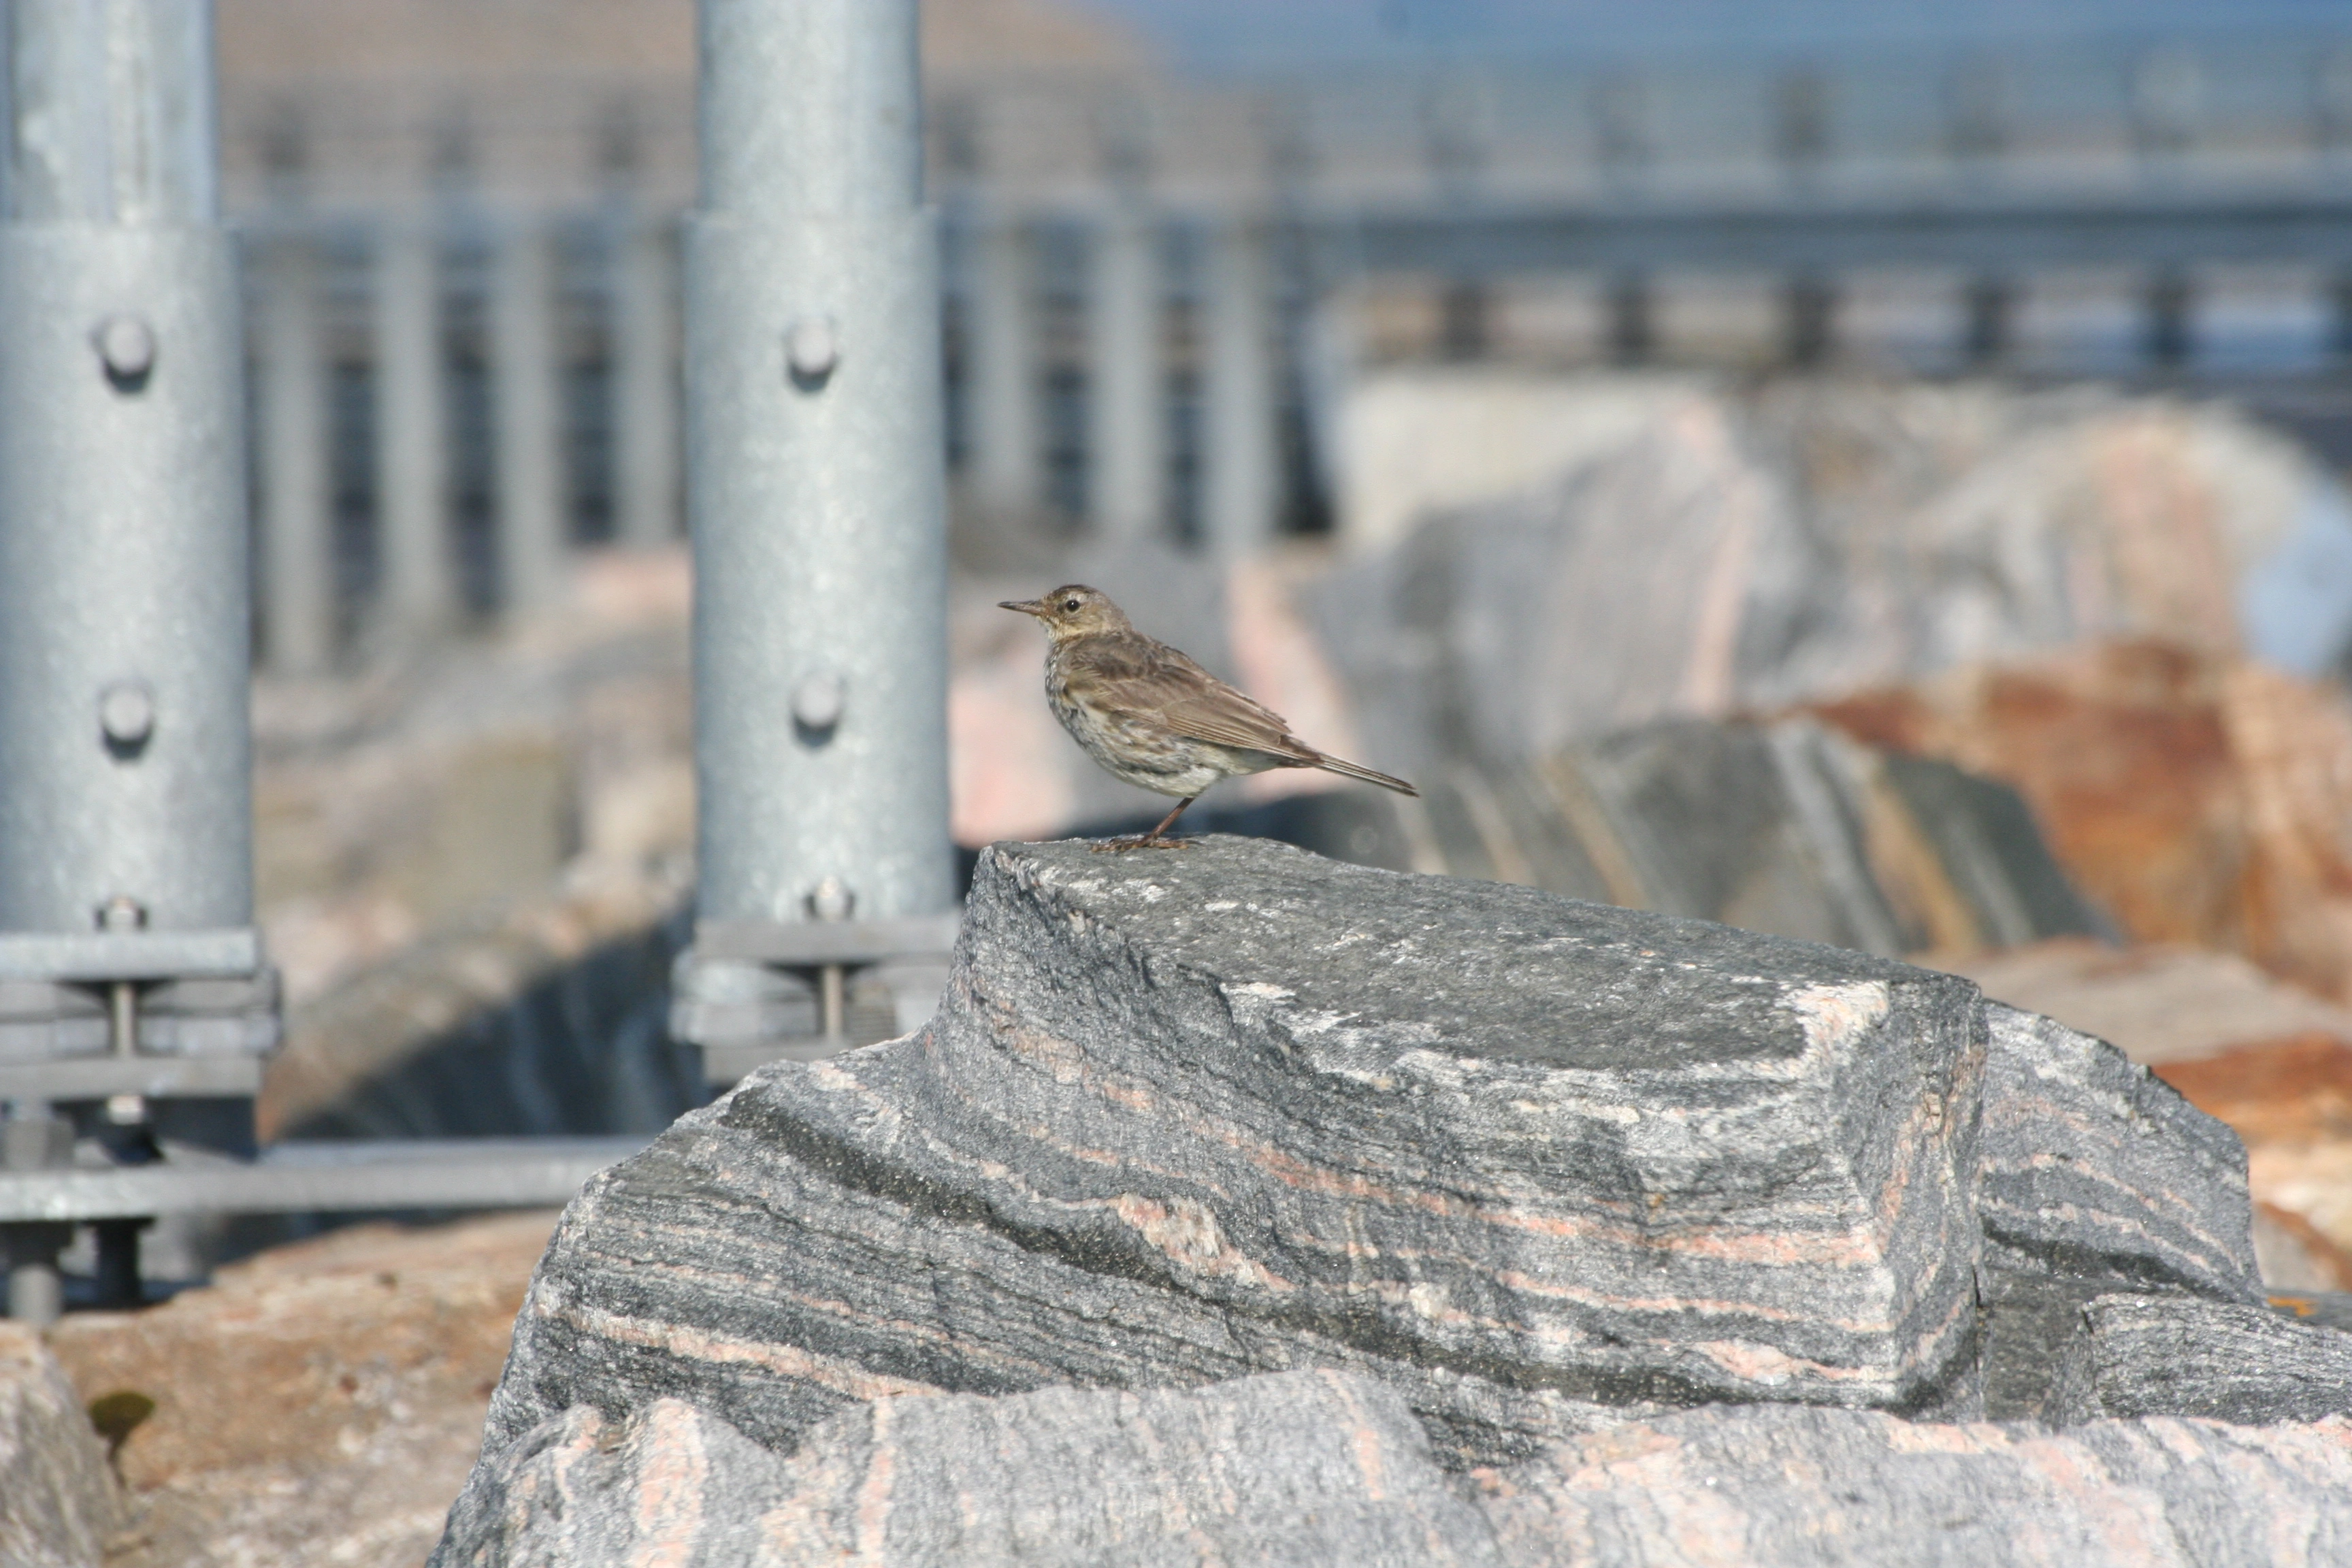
(1153, 718)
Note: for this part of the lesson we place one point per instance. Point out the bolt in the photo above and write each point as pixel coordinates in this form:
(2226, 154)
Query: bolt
(832, 899)
(121, 912)
(812, 350)
(126, 712)
(818, 699)
(126, 347)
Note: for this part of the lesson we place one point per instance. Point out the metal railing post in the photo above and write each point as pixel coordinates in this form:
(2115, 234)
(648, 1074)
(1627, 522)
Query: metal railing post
(1002, 390)
(816, 493)
(646, 393)
(526, 405)
(1127, 439)
(129, 966)
(298, 553)
(1244, 480)
(419, 595)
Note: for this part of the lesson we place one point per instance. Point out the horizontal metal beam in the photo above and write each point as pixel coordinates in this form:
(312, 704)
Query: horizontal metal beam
(1977, 231)
(323, 1177)
(90, 956)
(157, 1077)
(825, 941)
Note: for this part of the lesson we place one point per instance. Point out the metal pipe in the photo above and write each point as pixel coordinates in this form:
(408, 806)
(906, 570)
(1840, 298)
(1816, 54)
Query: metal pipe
(645, 380)
(816, 467)
(526, 396)
(297, 557)
(419, 594)
(124, 595)
(1007, 446)
(1244, 489)
(1127, 479)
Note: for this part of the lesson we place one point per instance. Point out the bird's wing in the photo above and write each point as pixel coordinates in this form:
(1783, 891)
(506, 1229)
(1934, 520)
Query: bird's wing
(1197, 705)
(1146, 676)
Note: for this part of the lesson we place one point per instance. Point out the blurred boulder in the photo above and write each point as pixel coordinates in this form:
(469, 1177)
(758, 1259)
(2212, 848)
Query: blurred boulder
(319, 1403)
(57, 1500)
(2195, 799)
(1787, 827)
(1723, 550)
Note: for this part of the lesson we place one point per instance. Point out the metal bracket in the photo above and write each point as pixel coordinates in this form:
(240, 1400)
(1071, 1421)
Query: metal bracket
(751, 992)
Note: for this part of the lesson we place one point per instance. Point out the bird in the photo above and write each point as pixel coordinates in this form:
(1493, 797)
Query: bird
(1153, 718)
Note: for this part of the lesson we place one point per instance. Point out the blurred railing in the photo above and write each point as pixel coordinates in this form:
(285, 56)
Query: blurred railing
(1151, 284)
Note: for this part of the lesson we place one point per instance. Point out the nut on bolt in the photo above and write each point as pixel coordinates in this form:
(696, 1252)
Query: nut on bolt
(126, 348)
(812, 350)
(832, 899)
(818, 700)
(126, 714)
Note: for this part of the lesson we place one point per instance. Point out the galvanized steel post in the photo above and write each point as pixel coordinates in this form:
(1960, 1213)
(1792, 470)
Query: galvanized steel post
(1127, 452)
(1003, 394)
(419, 595)
(526, 413)
(1243, 494)
(125, 829)
(298, 553)
(815, 476)
(645, 378)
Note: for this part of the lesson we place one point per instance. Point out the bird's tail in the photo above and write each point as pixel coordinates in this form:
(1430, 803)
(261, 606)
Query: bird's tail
(1356, 771)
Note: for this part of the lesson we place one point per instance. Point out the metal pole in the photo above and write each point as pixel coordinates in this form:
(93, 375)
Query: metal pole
(420, 595)
(646, 381)
(1244, 483)
(1126, 441)
(526, 396)
(815, 471)
(126, 853)
(1007, 446)
(124, 640)
(297, 556)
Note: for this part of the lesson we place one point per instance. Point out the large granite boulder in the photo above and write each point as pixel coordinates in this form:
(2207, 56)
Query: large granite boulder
(1188, 1116)
(1329, 1470)
(1521, 1171)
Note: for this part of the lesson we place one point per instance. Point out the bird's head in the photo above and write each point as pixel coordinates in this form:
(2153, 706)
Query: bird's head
(1073, 611)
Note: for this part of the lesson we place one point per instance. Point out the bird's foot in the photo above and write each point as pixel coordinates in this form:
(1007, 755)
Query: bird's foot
(1138, 841)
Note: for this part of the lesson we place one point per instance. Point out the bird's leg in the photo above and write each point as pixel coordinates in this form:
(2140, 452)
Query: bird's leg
(1151, 840)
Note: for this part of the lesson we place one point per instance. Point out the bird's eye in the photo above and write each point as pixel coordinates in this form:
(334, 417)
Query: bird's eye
(1071, 605)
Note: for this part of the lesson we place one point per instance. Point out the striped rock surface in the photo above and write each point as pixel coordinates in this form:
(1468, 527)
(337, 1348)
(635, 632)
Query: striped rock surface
(2152, 1355)
(2094, 1176)
(1187, 1117)
(1293, 1468)
(1329, 1470)
(1779, 1486)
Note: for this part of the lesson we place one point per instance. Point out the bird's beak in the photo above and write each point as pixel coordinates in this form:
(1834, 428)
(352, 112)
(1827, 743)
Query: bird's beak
(1026, 606)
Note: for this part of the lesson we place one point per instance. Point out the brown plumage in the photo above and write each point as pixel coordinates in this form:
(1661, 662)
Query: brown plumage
(1153, 718)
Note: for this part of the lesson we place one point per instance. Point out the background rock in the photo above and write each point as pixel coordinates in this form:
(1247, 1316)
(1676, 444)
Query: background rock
(58, 1502)
(320, 1404)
